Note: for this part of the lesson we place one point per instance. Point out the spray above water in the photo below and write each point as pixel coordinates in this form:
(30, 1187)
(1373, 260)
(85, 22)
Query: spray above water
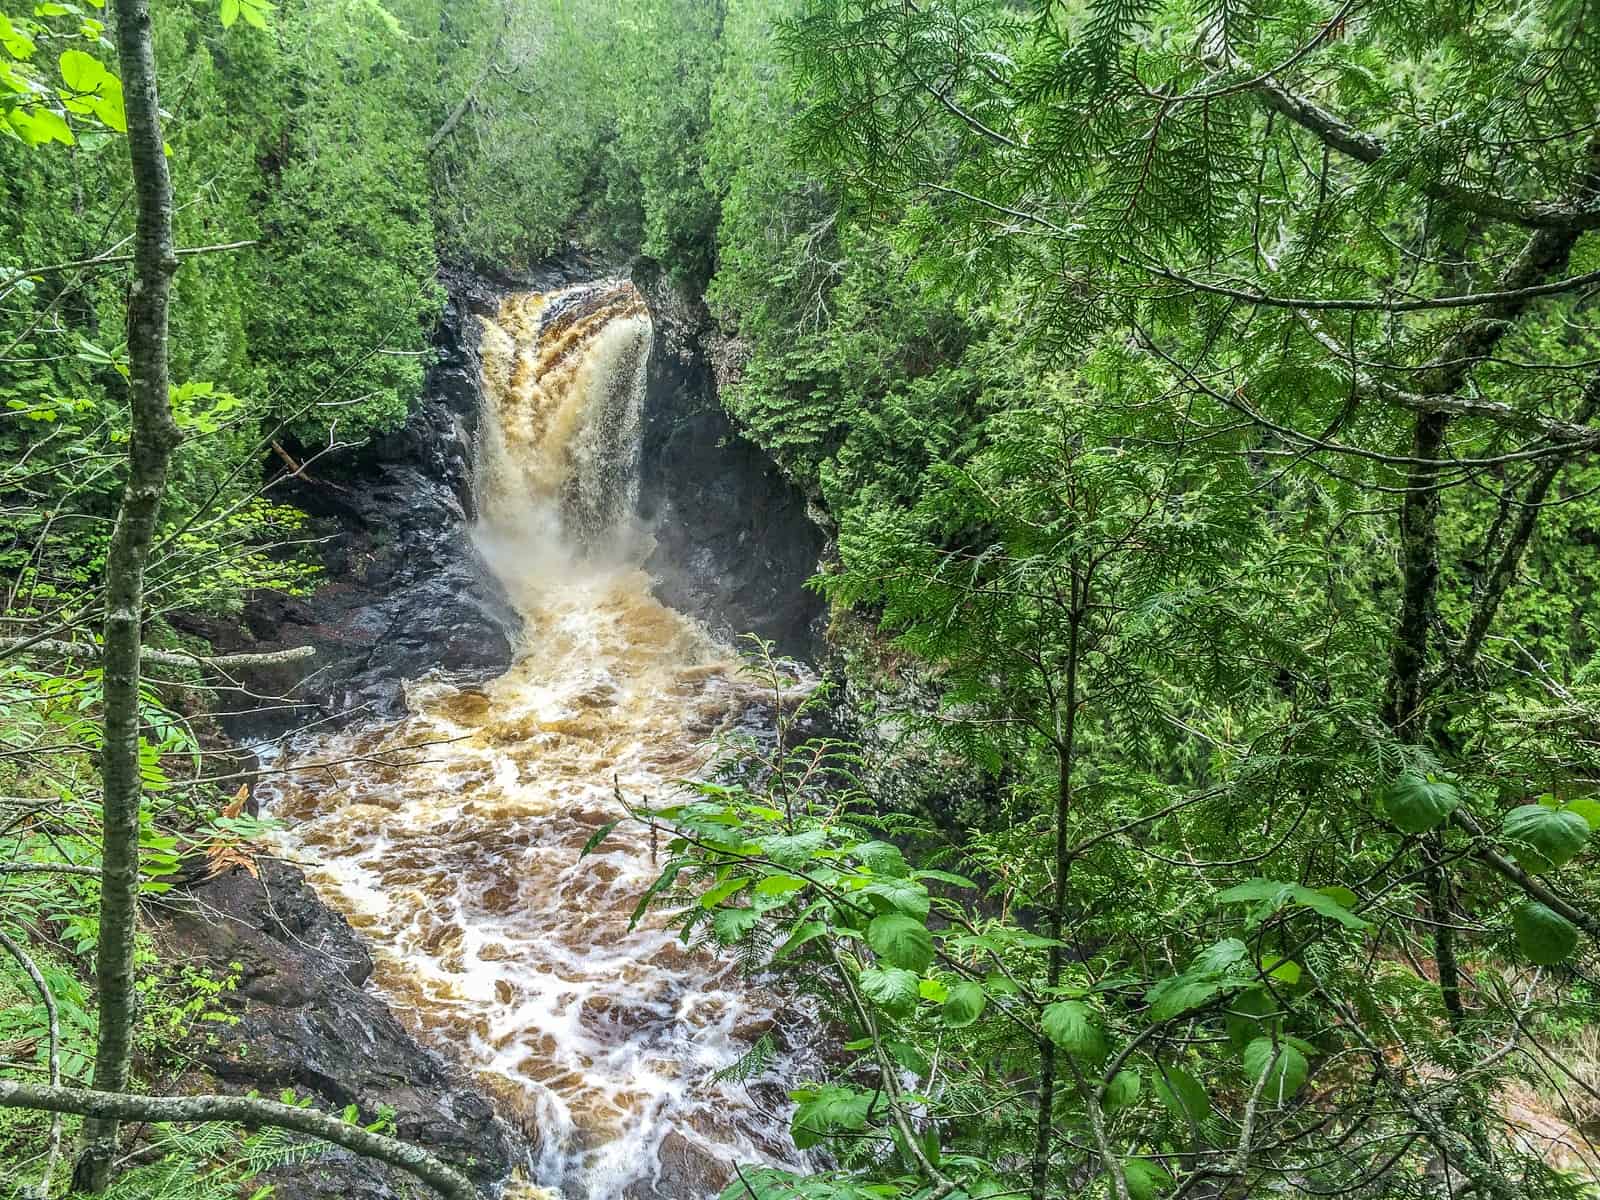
(459, 862)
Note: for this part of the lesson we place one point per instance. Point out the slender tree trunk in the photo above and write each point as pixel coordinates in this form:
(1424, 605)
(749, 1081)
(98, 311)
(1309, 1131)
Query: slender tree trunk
(152, 436)
(1058, 906)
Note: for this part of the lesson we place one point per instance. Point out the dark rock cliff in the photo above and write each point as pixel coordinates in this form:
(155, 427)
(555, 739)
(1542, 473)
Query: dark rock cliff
(401, 589)
(734, 543)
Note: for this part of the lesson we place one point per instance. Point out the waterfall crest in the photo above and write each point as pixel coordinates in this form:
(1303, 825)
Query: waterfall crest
(563, 394)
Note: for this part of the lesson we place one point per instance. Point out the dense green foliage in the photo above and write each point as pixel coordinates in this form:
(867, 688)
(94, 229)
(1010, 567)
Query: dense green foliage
(1203, 402)
(1204, 399)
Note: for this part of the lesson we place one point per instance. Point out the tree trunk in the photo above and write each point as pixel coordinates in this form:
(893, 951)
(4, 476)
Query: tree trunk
(152, 436)
(1066, 747)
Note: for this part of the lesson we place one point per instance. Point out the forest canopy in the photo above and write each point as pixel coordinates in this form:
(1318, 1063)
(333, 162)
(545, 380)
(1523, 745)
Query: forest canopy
(1201, 401)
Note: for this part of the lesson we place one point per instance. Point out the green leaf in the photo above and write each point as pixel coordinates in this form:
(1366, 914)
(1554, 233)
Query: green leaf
(779, 885)
(933, 989)
(960, 881)
(1586, 807)
(595, 838)
(1417, 804)
(1284, 970)
(804, 932)
(1543, 839)
(723, 890)
(882, 858)
(230, 13)
(892, 989)
(40, 125)
(1283, 1066)
(82, 72)
(1544, 935)
(965, 1004)
(731, 924)
(1123, 1089)
(900, 894)
(1070, 1025)
(901, 940)
(1183, 992)
(1143, 1177)
(1182, 1094)
(1275, 895)
(825, 1110)
(661, 883)
(793, 850)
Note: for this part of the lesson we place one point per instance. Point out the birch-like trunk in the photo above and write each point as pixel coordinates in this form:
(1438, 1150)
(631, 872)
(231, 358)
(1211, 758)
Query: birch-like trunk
(152, 436)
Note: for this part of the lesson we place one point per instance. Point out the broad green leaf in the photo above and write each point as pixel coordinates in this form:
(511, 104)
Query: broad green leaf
(1544, 935)
(779, 885)
(1282, 1064)
(1586, 807)
(1123, 1089)
(1283, 970)
(1220, 957)
(902, 940)
(793, 850)
(899, 894)
(1274, 895)
(82, 72)
(1417, 804)
(1070, 1025)
(1181, 993)
(831, 1108)
(1143, 1177)
(40, 125)
(1543, 839)
(731, 924)
(882, 858)
(892, 989)
(933, 989)
(230, 13)
(724, 889)
(965, 1004)
(1182, 1093)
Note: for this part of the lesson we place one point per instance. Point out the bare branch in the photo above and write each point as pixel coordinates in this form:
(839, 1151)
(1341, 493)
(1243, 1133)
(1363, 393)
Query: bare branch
(243, 1110)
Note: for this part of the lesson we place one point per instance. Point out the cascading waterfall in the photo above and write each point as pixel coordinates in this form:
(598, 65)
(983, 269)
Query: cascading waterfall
(450, 839)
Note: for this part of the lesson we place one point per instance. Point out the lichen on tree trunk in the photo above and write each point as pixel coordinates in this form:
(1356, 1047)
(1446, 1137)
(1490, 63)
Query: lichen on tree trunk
(153, 434)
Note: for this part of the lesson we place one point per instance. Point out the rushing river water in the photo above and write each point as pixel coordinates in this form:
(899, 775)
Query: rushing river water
(450, 839)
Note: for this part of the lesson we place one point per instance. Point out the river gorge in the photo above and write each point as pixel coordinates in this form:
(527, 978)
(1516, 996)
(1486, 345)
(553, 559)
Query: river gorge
(449, 836)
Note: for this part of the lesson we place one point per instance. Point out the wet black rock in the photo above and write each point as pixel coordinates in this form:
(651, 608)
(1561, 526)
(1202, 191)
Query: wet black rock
(684, 1169)
(734, 542)
(303, 1021)
(402, 590)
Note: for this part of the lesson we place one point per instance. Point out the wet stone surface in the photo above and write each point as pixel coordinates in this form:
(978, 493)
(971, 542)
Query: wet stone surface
(305, 1022)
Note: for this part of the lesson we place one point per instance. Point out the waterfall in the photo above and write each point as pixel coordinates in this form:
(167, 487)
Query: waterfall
(563, 394)
(450, 839)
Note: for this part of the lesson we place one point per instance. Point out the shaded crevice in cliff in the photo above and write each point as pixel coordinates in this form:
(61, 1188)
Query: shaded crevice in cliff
(734, 540)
